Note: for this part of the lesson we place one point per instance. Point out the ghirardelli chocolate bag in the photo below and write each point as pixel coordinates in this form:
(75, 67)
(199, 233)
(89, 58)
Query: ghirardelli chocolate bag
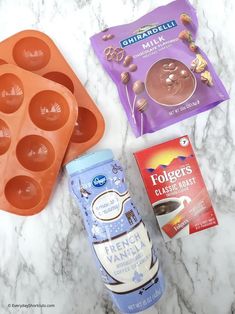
(176, 188)
(161, 74)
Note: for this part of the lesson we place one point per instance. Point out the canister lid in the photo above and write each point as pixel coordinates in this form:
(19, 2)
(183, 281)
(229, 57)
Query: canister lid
(88, 161)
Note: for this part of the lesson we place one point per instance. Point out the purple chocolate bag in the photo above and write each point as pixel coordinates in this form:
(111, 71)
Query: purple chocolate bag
(161, 75)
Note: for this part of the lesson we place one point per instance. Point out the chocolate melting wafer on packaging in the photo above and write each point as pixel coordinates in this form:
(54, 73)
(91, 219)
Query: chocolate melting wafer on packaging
(162, 66)
(176, 189)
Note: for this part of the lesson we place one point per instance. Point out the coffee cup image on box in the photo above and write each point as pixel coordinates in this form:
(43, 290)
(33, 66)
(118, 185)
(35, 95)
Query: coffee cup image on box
(166, 209)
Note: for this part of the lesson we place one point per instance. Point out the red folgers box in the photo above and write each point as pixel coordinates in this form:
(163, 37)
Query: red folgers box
(176, 188)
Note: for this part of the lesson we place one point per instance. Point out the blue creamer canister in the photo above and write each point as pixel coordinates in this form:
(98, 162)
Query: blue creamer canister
(120, 242)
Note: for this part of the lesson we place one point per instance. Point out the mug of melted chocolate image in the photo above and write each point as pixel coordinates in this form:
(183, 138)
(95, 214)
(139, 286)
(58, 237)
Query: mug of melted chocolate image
(166, 209)
(170, 82)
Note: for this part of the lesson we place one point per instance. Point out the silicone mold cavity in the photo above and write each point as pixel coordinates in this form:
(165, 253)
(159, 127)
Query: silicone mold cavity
(23, 192)
(31, 53)
(33, 139)
(36, 52)
(81, 132)
(60, 78)
(49, 110)
(2, 62)
(5, 137)
(11, 93)
(35, 153)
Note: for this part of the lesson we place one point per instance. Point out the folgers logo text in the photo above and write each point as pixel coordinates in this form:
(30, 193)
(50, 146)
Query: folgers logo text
(171, 176)
(99, 181)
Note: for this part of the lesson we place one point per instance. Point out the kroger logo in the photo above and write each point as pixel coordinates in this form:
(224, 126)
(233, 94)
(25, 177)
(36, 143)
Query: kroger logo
(99, 181)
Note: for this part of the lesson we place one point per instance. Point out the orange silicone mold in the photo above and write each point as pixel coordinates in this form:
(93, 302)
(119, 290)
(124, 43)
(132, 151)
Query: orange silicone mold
(37, 118)
(36, 52)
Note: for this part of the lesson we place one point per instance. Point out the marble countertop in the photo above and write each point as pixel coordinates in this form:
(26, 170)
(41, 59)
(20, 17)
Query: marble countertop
(46, 258)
